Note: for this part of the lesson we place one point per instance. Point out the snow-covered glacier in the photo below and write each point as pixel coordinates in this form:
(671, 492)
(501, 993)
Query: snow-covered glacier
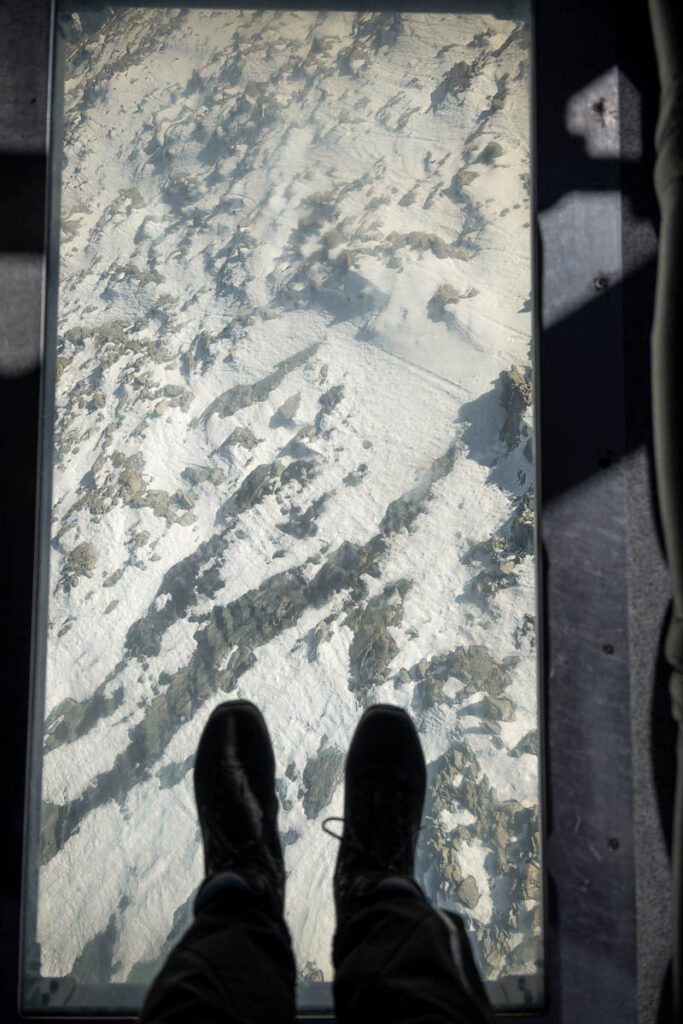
(292, 459)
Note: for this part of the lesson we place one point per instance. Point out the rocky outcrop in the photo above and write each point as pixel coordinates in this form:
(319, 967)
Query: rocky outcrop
(242, 436)
(490, 153)
(446, 295)
(80, 561)
(515, 399)
(318, 636)
(507, 830)
(197, 475)
(243, 395)
(120, 480)
(71, 719)
(527, 745)
(320, 779)
(354, 478)
(302, 523)
(501, 553)
(474, 666)
(468, 893)
(286, 413)
(373, 646)
(401, 513)
(457, 79)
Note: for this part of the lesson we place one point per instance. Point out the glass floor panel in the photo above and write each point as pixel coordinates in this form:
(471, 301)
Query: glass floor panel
(292, 462)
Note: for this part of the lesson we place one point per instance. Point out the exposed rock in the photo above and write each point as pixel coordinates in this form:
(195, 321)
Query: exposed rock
(113, 579)
(489, 581)
(472, 666)
(242, 395)
(505, 828)
(287, 411)
(527, 745)
(242, 436)
(128, 487)
(354, 478)
(373, 646)
(333, 238)
(196, 475)
(93, 965)
(297, 447)
(444, 296)
(262, 481)
(502, 552)
(423, 241)
(515, 399)
(320, 635)
(71, 719)
(303, 524)
(521, 526)
(281, 788)
(300, 471)
(456, 79)
(171, 774)
(490, 153)
(525, 957)
(344, 570)
(531, 881)
(331, 398)
(496, 709)
(402, 679)
(129, 272)
(172, 507)
(257, 616)
(199, 356)
(402, 512)
(495, 946)
(466, 177)
(190, 579)
(309, 974)
(80, 561)
(320, 779)
(468, 892)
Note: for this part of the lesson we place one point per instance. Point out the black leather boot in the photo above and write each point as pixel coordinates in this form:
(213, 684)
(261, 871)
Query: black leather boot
(234, 784)
(385, 784)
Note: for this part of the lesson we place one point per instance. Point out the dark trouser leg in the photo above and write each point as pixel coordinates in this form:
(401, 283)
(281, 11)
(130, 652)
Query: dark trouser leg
(399, 960)
(234, 965)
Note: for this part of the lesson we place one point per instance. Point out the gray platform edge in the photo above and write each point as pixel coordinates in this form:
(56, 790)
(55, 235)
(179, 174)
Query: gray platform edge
(596, 530)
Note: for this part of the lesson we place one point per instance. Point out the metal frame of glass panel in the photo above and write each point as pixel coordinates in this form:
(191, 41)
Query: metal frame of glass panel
(590, 926)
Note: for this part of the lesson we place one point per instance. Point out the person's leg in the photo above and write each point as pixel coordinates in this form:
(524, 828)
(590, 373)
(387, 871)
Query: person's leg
(235, 964)
(397, 958)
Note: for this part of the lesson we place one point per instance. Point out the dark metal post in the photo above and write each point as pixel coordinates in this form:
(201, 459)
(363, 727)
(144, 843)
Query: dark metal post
(667, 400)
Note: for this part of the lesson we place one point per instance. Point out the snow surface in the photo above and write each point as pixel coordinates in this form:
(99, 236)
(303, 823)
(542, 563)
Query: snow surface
(207, 157)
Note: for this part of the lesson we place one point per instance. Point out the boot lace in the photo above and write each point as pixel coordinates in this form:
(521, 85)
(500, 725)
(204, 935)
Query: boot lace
(381, 803)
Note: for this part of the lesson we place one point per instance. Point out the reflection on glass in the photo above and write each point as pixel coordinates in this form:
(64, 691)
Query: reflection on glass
(292, 462)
